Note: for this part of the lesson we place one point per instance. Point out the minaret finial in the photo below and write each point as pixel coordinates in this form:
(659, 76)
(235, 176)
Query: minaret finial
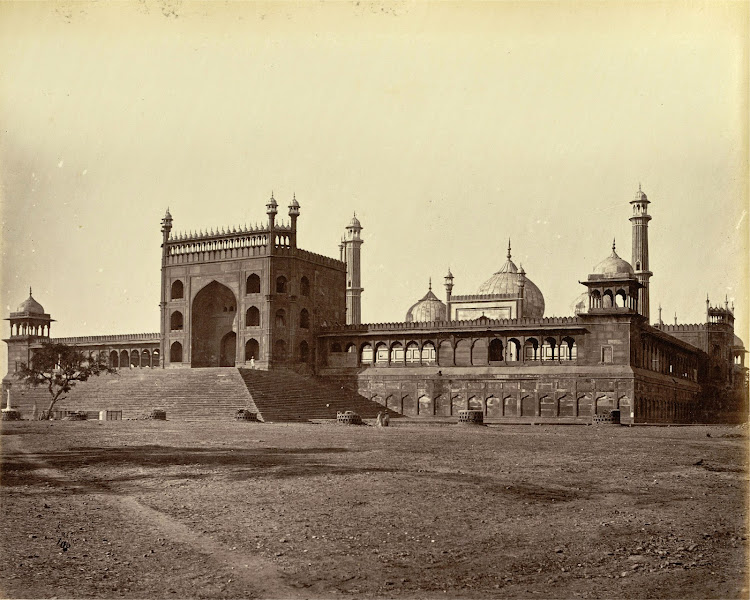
(613, 244)
(639, 187)
(29, 291)
(430, 283)
(508, 248)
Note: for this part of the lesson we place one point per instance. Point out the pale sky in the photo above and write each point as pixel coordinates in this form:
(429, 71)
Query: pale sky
(448, 128)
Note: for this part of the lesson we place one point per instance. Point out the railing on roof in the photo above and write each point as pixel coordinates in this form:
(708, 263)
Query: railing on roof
(108, 339)
(474, 324)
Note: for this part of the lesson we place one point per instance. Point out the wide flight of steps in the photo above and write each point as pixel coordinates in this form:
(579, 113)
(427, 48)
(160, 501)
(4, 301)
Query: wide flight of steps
(185, 394)
(284, 395)
(209, 394)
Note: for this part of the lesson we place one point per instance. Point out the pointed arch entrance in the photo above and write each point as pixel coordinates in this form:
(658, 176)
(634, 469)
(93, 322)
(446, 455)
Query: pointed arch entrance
(213, 325)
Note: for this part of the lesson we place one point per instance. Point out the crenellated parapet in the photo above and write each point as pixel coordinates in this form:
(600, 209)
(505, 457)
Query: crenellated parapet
(681, 327)
(312, 257)
(475, 324)
(229, 232)
(482, 297)
(108, 339)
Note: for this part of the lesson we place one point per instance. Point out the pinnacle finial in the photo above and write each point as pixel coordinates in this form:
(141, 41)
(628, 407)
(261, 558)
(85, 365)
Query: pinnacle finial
(639, 187)
(430, 284)
(29, 291)
(508, 255)
(613, 244)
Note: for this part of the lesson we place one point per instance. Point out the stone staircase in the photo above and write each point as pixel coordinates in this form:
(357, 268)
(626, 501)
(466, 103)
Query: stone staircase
(208, 394)
(185, 394)
(284, 395)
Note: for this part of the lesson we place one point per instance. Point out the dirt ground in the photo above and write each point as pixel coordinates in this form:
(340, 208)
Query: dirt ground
(155, 509)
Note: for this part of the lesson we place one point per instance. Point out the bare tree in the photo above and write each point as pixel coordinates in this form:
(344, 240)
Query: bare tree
(59, 367)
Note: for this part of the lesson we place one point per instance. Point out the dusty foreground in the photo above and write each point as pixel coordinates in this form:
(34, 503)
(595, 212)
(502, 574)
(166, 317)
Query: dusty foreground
(243, 510)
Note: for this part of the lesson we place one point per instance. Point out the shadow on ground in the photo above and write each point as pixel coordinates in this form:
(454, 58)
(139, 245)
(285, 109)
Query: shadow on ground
(115, 465)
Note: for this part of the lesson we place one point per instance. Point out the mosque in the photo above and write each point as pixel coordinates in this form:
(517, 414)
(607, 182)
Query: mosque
(244, 298)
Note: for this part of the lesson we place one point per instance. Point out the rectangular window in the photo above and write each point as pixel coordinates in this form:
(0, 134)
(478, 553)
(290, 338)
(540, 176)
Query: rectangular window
(607, 354)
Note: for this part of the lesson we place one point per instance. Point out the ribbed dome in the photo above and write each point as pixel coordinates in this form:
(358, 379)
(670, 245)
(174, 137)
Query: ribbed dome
(355, 222)
(505, 281)
(429, 308)
(613, 266)
(30, 306)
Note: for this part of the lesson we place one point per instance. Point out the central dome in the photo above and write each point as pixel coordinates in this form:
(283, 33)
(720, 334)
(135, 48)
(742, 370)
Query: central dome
(507, 281)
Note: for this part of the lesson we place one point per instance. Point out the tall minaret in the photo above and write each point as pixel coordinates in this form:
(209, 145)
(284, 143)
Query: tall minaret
(166, 229)
(640, 221)
(271, 210)
(352, 243)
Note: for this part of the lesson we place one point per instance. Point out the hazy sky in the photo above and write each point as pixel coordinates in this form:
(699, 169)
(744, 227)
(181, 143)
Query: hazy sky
(448, 128)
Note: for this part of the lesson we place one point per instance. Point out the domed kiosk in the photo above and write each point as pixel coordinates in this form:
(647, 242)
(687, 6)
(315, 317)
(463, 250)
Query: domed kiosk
(612, 286)
(29, 319)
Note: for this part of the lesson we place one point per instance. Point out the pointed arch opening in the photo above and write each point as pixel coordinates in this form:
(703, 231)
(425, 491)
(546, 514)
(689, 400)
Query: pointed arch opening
(252, 350)
(176, 322)
(304, 286)
(252, 317)
(496, 350)
(252, 285)
(177, 290)
(366, 355)
(213, 318)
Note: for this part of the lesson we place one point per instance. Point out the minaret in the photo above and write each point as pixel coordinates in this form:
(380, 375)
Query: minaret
(521, 286)
(271, 210)
(640, 221)
(352, 243)
(166, 229)
(448, 293)
(293, 214)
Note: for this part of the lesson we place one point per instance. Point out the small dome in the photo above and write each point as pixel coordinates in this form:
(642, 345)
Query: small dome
(354, 223)
(738, 342)
(640, 196)
(30, 306)
(294, 203)
(429, 308)
(614, 266)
